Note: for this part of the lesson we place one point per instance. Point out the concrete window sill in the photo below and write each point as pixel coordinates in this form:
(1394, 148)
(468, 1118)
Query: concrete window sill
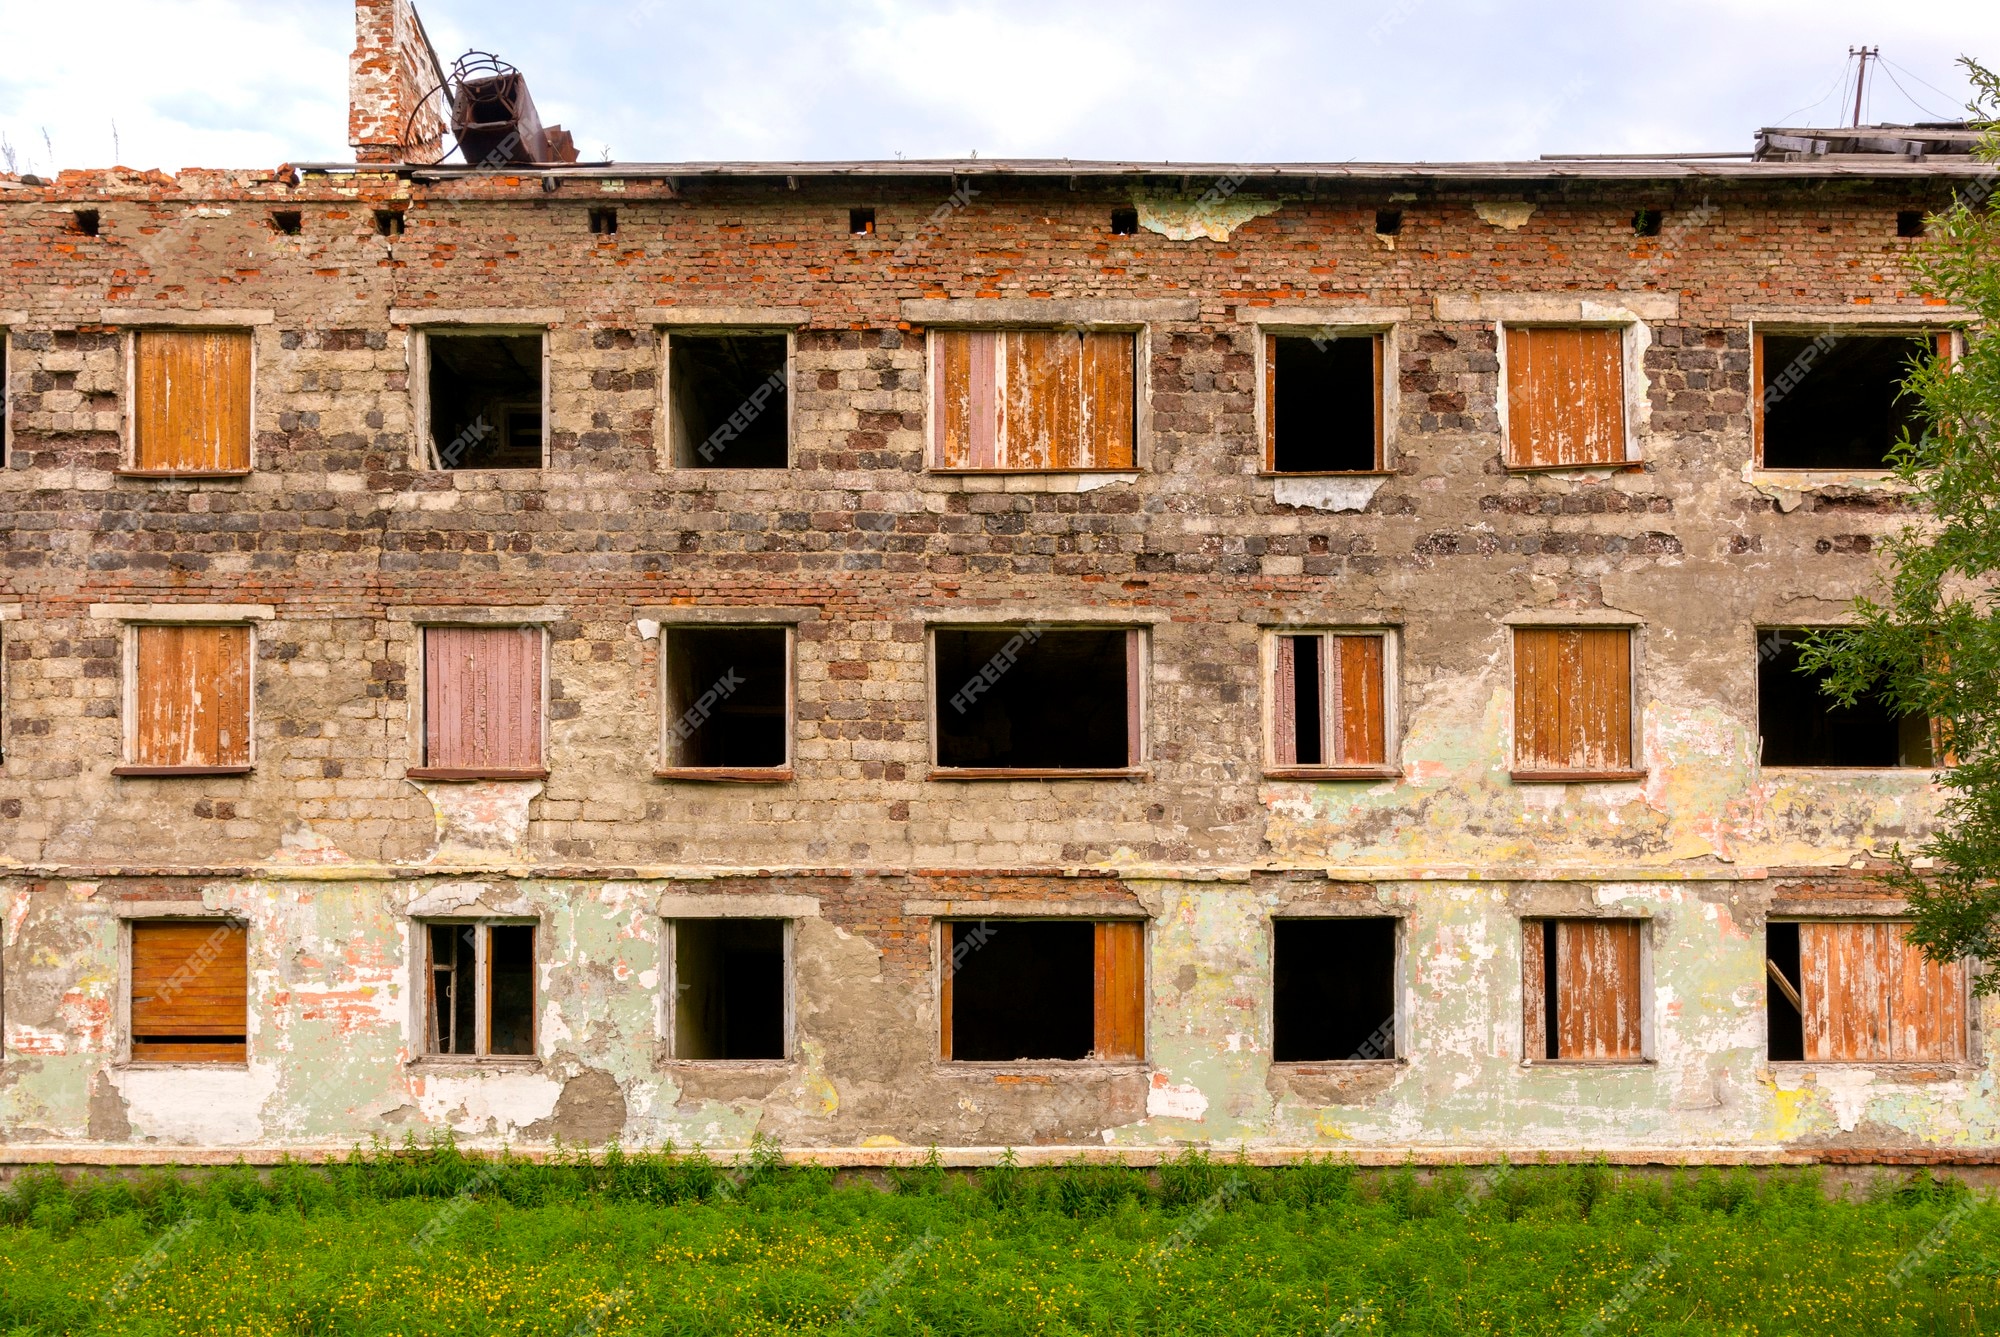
(1888, 1072)
(475, 1063)
(1043, 1070)
(1037, 773)
(169, 1065)
(1334, 773)
(1590, 1063)
(1575, 777)
(1326, 473)
(773, 1065)
(727, 775)
(1334, 1067)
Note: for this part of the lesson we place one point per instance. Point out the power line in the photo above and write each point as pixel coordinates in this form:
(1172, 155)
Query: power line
(1906, 93)
(1920, 79)
(1840, 83)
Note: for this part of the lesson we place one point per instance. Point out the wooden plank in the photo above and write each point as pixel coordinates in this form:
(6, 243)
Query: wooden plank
(1363, 729)
(1040, 399)
(1534, 991)
(192, 696)
(1926, 1005)
(1573, 699)
(1284, 701)
(1757, 398)
(1134, 684)
(1537, 699)
(982, 379)
(1109, 408)
(1270, 402)
(190, 981)
(1119, 1003)
(483, 698)
(1597, 989)
(1845, 984)
(944, 991)
(1380, 403)
(1565, 396)
(191, 401)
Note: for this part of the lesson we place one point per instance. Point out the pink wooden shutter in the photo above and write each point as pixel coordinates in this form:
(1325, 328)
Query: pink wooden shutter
(483, 699)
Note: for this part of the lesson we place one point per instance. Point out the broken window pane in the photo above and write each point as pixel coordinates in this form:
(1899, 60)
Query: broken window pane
(1835, 400)
(726, 697)
(1783, 1006)
(1324, 409)
(466, 959)
(1019, 989)
(1334, 990)
(485, 400)
(1803, 726)
(1035, 698)
(729, 989)
(454, 1020)
(729, 401)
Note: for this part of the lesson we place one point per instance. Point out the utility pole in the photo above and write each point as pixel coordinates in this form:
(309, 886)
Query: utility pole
(1861, 79)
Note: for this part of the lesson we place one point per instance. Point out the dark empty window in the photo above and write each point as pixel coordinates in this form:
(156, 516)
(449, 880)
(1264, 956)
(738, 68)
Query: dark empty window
(1036, 698)
(861, 222)
(1388, 222)
(1836, 400)
(1042, 989)
(1646, 222)
(727, 698)
(1910, 223)
(1323, 403)
(389, 222)
(1803, 726)
(1334, 990)
(1125, 222)
(603, 222)
(482, 988)
(729, 989)
(486, 400)
(729, 401)
(290, 222)
(1784, 1008)
(86, 222)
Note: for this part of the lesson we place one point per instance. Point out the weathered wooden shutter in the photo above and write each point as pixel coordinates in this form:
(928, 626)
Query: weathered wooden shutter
(1565, 396)
(1871, 995)
(191, 401)
(1573, 700)
(1352, 723)
(1597, 988)
(1359, 697)
(191, 698)
(1135, 714)
(1119, 1009)
(483, 701)
(1034, 399)
(190, 991)
(944, 989)
(1285, 697)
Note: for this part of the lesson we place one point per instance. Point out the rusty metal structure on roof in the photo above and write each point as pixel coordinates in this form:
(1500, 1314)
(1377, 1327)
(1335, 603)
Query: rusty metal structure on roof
(495, 119)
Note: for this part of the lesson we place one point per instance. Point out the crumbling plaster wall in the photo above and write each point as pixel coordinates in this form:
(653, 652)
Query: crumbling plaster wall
(353, 547)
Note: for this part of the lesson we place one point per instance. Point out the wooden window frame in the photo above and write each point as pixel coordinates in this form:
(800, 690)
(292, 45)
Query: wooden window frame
(1967, 1005)
(130, 768)
(748, 775)
(670, 993)
(669, 456)
(1138, 661)
(1941, 754)
(424, 449)
(123, 1056)
(1103, 1028)
(1635, 705)
(1142, 357)
(1631, 375)
(1948, 341)
(1387, 398)
(424, 1051)
(1534, 1020)
(1390, 768)
(420, 768)
(1400, 980)
(129, 447)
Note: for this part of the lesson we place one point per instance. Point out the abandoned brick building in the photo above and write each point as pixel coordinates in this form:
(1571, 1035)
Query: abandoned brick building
(1063, 655)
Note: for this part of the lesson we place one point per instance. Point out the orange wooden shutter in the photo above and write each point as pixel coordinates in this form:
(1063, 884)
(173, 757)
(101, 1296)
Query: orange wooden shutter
(1271, 401)
(191, 401)
(1108, 427)
(483, 699)
(192, 697)
(944, 990)
(1120, 993)
(1573, 700)
(1565, 396)
(190, 991)
(1597, 988)
(1872, 996)
(1033, 399)
(1534, 990)
(1360, 703)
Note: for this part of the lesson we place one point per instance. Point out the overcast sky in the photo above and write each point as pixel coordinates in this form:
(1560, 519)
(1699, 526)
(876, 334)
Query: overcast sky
(252, 83)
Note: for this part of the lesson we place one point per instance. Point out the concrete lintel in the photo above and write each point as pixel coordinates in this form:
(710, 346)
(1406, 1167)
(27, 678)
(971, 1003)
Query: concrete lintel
(476, 315)
(11, 315)
(1558, 308)
(1043, 311)
(769, 317)
(723, 905)
(167, 315)
(446, 615)
(1808, 319)
(1015, 614)
(1102, 909)
(1325, 316)
(1572, 617)
(183, 612)
(9, 612)
(721, 615)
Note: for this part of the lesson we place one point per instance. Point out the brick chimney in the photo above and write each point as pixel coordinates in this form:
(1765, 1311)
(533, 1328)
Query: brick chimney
(395, 106)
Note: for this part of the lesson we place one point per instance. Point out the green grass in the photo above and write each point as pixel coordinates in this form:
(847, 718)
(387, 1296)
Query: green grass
(431, 1241)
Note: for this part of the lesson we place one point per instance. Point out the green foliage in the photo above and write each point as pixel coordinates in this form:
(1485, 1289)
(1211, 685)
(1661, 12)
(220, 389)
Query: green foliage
(430, 1239)
(1933, 643)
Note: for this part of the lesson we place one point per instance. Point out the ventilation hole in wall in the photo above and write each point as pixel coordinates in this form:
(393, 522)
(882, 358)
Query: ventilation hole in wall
(861, 222)
(389, 222)
(603, 222)
(86, 222)
(1388, 222)
(1910, 223)
(288, 221)
(1646, 222)
(1125, 222)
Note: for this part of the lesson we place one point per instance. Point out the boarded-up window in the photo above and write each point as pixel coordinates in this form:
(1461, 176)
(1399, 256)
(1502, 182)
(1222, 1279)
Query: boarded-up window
(1033, 399)
(482, 988)
(1565, 396)
(190, 991)
(191, 401)
(1573, 703)
(482, 703)
(1043, 989)
(1330, 701)
(1862, 993)
(190, 700)
(1581, 989)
